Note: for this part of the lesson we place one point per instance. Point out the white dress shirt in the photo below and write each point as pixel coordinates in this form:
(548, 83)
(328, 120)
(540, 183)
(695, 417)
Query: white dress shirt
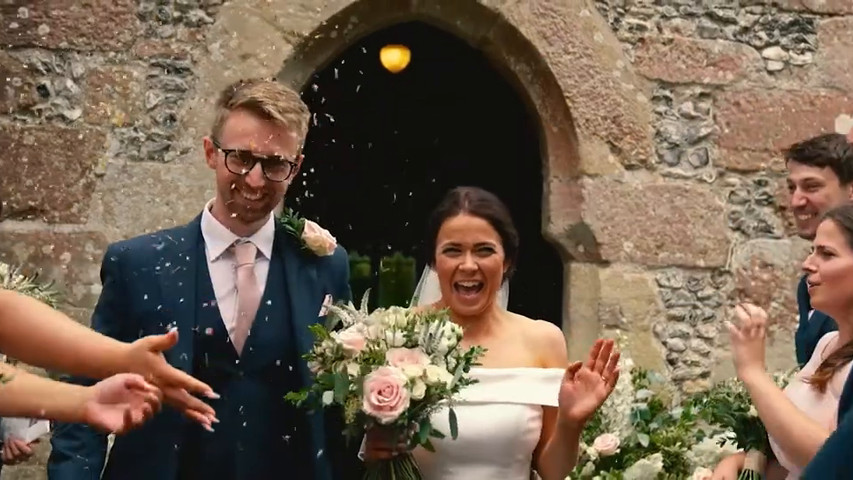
(222, 264)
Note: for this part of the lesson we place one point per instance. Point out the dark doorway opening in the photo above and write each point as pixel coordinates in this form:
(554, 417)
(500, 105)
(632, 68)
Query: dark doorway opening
(384, 148)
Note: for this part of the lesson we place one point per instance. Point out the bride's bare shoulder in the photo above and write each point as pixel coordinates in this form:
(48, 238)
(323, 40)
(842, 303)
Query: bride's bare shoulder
(542, 333)
(539, 331)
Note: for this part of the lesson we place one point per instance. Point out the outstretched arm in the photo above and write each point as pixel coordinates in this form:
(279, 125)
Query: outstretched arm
(117, 404)
(36, 334)
(798, 436)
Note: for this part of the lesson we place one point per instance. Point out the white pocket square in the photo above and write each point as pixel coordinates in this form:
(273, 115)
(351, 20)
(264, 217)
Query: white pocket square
(324, 309)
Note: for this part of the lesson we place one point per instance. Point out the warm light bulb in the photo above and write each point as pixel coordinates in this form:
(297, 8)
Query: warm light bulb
(395, 58)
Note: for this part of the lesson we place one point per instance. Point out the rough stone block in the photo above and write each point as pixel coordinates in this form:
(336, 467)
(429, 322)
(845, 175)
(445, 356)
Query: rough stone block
(109, 25)
(835, 44)
(760, 119)
(830, 7)
(685, 60)
(150, 48)
(656, 224)
(47, 171)
(749, 160)
(766, 273)
(114, 96)
(17, 87)
(70, 259)
(629, 304)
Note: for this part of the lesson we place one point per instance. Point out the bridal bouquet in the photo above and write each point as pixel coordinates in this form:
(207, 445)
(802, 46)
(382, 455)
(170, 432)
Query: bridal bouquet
(390, 369)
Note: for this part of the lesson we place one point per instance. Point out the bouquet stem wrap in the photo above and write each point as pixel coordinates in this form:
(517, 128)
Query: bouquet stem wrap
(400, 467)
(753, 466)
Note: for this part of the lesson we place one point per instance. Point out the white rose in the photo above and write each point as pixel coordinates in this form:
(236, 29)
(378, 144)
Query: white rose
(328, 397)
(353, 369)
(702, 473)
(395, 317)
(450, 336)
(606, 444)
(318, 239)
(418, 389)
(437, 375)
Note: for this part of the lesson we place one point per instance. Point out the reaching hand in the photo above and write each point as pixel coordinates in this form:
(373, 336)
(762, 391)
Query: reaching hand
(145, 357)
(586, 386)
(16, 451)
(748, 339)
(120, 403)
(729, 467)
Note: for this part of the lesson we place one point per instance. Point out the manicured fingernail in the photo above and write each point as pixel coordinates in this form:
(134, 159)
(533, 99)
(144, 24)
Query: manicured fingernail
(213, 419)
(212, 395)
(208, 428)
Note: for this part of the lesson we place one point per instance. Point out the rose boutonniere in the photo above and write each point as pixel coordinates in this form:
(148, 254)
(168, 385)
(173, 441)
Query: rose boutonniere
(312, 236)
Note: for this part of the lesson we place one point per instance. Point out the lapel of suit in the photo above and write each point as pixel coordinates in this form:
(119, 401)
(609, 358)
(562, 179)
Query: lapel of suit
(176, 270)
(306, 296)
(300, 276)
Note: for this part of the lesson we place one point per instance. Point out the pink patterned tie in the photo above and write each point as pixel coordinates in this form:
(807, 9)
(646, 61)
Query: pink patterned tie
(248, 292)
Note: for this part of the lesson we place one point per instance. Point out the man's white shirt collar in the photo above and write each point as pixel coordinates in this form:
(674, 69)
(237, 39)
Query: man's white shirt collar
(218, 238)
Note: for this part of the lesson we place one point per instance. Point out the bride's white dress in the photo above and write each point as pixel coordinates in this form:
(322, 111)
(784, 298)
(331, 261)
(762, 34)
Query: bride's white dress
(499, 420)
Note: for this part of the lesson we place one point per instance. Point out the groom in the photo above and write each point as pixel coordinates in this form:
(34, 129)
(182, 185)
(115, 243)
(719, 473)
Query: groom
(820, 177)
(242, 292)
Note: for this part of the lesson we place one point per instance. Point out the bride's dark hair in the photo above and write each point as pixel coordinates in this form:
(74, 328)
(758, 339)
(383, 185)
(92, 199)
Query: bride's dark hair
(842, 217)
(479, 203)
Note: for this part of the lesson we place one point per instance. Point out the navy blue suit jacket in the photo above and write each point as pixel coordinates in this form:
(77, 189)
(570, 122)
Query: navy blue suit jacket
(835, 458)
(149, 284)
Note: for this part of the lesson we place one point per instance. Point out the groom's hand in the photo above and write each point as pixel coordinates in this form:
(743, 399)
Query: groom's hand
(145, 357)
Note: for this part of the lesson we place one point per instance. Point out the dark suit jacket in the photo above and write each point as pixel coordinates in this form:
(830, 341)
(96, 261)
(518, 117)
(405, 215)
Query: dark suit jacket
(835, 458)
(149, 283)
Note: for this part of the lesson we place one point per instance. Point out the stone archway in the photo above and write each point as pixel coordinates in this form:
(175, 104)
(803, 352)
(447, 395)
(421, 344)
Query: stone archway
(593, 113)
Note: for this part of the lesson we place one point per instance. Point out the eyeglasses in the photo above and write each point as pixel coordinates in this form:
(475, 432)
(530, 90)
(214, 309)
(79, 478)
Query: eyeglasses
(240, 162)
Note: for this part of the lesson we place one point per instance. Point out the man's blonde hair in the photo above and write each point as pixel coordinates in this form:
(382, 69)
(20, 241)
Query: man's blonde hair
(266, 98)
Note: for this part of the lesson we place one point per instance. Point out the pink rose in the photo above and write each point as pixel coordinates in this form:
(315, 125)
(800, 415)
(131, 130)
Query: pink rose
(606, 444)
(318, 239)
(385, 394)
(411, 361)
(352, 339)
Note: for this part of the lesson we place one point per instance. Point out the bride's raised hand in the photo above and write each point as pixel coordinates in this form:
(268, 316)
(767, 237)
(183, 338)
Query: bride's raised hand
(587, 385)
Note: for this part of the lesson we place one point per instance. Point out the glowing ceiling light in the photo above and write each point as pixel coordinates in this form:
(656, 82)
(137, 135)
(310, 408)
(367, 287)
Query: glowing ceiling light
(395, 58)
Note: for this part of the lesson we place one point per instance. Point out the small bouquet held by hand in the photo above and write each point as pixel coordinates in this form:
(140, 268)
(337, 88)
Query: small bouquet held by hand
(389, 369)
(728, 405)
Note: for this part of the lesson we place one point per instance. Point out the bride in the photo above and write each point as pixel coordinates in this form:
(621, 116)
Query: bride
(528, 409)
